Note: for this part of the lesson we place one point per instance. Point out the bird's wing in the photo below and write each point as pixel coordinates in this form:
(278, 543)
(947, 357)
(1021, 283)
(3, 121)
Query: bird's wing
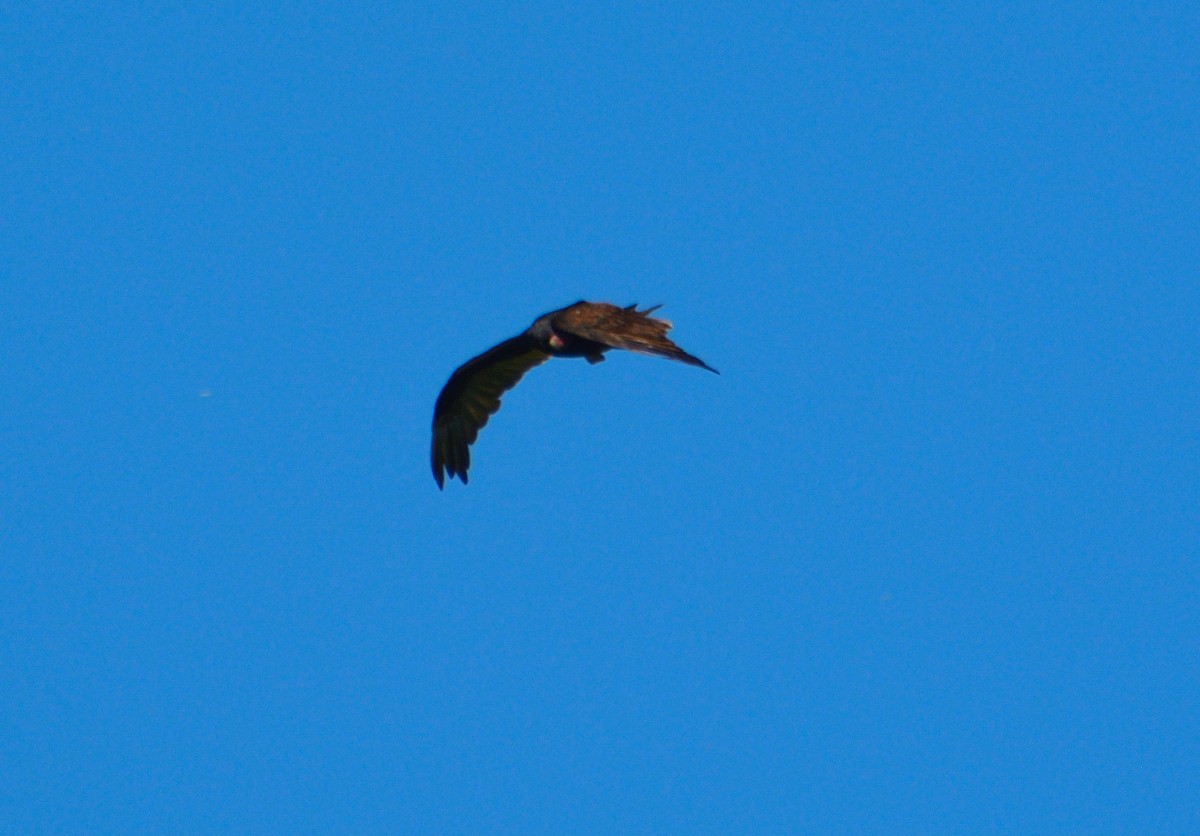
(626, 328)
(471, 396)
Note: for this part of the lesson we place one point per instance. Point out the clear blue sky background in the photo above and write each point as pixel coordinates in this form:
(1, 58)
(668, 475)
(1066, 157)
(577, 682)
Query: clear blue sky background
(923, 558)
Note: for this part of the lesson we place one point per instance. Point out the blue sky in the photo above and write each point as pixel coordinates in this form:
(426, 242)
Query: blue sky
(922, 559)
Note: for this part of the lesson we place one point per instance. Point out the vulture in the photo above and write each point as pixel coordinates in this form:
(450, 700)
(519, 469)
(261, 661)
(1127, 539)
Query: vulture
(585, 329)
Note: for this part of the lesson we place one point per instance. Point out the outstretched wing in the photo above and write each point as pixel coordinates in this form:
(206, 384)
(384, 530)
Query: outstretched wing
(626, 328)
(471, 396)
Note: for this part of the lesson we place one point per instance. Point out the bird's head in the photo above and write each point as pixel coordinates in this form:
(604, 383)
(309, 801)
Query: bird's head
(543, 331)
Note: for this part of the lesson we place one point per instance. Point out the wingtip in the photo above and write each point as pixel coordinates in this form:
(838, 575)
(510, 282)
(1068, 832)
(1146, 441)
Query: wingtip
(438, 476)
(693, 360)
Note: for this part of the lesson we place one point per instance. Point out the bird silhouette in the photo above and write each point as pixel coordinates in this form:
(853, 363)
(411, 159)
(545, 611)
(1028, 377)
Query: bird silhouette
(585, 329)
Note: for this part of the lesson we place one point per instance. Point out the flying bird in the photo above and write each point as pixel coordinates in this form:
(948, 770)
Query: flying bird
(585, 329)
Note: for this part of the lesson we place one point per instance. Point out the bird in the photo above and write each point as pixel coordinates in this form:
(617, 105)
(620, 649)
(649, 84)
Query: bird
(584, 329)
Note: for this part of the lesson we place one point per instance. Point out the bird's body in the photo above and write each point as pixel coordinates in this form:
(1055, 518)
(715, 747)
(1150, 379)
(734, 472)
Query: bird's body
(585, 329)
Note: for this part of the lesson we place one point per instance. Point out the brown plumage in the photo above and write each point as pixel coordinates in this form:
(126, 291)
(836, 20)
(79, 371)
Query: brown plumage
(585, 329)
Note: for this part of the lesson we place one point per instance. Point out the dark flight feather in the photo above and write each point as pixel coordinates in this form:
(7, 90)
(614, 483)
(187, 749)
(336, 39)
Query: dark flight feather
(585, 329)
(471, 396)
